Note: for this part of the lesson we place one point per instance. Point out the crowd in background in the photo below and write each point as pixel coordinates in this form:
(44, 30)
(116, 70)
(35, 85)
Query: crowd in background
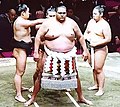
(79, 10)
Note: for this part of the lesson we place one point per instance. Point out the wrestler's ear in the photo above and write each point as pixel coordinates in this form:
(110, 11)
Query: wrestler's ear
(22, 13)
(101, 14)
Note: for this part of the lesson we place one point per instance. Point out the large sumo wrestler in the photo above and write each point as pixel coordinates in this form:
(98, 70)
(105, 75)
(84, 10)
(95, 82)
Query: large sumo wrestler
(58, 34)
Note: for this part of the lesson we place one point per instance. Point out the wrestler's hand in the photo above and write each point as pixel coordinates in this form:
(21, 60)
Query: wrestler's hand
(85, 55)
(36, 56)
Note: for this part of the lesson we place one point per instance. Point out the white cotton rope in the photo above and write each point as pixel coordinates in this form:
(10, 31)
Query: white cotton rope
(92, 57)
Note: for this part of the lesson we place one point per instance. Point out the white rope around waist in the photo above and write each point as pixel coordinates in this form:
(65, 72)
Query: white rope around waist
(61, 55)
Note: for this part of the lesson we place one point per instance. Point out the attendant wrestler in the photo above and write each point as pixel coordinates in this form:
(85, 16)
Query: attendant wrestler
(59, 35)
(98, 33)
(22, 44)
(50, 13)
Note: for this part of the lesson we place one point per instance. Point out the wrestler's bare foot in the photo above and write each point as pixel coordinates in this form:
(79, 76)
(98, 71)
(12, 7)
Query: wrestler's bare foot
(85, 101)
(93, 88)
(25, 89)
(99, 93)
(20, 99)
(29, 102)
(31, 89)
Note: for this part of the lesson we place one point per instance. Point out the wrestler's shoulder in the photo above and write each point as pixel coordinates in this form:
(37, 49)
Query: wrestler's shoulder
(20, 21)
(70, 21)
(48, 21)
(91, 21)
(105, 23)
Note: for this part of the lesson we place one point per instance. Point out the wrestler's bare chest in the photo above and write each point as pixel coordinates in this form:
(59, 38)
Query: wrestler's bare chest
(60, 30)
(96, 31)
(97, 28)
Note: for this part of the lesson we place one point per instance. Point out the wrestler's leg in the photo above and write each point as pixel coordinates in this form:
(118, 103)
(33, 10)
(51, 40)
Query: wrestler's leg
(95, 79)
(38, 67)
(21, 57)
(101, 81)
(100, 56)
(81, 98)
(35, 76)
(95, 86)
(37, 81)
(41, 53)
(37, 86)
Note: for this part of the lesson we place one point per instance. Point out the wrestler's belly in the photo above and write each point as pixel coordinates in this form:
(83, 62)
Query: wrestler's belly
(60, 45)
(95, 38)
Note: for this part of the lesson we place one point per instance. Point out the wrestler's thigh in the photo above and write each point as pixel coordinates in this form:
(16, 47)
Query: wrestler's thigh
(15, 52)
(21, 60)
(100, 56)
(41, 61)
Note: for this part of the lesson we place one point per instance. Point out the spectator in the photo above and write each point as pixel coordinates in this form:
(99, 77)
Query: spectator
(70, 13)
(114, 21)
(6, 29)
(99, 2)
